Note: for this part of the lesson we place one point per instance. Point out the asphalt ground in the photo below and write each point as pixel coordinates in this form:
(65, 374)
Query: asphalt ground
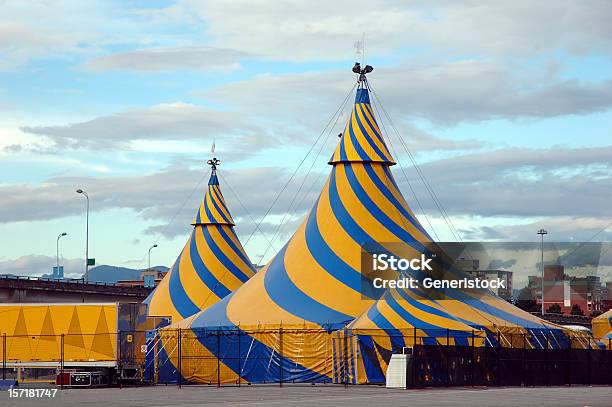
(319, 396)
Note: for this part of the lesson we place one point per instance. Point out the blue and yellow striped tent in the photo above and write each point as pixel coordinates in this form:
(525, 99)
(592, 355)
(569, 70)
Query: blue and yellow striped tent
(602, 328)
(290, 319)
(212, 264)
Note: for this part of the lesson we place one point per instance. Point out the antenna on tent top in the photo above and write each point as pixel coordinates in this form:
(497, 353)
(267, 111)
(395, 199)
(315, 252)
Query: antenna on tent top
(360, 50)
(213, 162)
(360, 47)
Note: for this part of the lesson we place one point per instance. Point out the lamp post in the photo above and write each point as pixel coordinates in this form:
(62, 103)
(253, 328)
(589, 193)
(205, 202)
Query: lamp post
(151, 248)
(57, 252)
(542, 232)
(80, 191)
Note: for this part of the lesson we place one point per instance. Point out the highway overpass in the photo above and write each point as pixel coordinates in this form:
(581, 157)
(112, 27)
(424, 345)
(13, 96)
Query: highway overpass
(14, 289)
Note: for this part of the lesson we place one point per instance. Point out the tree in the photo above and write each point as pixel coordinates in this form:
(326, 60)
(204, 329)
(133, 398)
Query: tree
(526, 300)
(554, 309)
(576, 310)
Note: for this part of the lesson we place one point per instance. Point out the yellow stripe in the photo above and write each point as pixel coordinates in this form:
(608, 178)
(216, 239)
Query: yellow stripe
(251, 306)
(319, 284)
(375, 136)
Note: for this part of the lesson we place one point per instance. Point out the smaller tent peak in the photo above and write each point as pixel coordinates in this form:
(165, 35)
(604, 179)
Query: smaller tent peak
(362, 96)
(213, 162)
(213, 210)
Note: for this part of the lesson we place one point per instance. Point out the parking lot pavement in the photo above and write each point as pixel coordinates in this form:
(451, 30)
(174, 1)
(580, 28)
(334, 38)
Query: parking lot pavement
(320, 396)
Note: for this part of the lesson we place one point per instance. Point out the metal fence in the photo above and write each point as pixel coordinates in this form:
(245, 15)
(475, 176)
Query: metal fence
(42, 357)
(222, 357)
(439, 366)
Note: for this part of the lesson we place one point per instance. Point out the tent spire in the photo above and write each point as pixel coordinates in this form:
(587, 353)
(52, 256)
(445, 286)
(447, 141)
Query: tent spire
(213, 162)
(362, 140)
(213, 210)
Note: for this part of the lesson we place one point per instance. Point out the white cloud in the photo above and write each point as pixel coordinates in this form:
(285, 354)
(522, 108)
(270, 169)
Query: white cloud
(521, 183)
(298, 31)
(167, 121)
(52, 28)
(560, 228)
(35, 265)
(169, 59)
(444, 93)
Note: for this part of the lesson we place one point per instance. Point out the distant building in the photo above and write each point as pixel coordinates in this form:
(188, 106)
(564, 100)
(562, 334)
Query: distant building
(567, 292)
(148, 278)
(607, 296)
(472, 266)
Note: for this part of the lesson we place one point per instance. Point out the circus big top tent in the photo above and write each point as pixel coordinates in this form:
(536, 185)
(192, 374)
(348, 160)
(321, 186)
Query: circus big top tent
(602, 328)
(306, 311)
(212, 264)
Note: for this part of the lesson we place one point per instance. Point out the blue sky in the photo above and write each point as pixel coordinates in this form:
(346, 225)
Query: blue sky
(507, 108)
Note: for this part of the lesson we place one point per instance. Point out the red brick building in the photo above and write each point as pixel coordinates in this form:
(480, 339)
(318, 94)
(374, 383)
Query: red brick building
(567, 292)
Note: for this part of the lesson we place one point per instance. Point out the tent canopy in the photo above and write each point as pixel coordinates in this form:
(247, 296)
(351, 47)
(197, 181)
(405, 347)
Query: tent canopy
(211, 265)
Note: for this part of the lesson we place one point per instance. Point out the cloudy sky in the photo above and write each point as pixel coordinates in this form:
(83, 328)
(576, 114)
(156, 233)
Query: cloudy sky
(505, 106)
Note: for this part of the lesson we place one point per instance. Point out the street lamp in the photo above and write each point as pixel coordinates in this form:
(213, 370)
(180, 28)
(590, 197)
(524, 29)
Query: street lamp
(542, 232)
(151, 248)
(80, 191)
(57, 252)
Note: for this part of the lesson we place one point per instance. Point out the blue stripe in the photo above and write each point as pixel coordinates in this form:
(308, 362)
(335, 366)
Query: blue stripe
(240, 253)
(391, 197)
(215, 316)
(344, 218)
(286, 295)
(362, 96)
(360, 152)
(213, 180)
(371, 364)
(214, 204)
(429, 309)
(227, 263)
(328, 259)
(209, 215)
(178, 296)
(379, 214)
(396, 336)
(389, 175)
(376, 129)
(415, 322)
(217, 206)
(203, 272)
(367, 136)
(205, 327)
(489, 309)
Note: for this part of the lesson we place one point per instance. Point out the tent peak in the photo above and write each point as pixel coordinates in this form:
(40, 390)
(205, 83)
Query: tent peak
(362, 141)
(213, 210)
(213, 162)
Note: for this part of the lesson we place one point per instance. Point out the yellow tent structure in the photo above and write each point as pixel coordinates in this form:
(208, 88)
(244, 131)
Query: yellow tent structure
(35, 332)
(211, 265)
(290, 320)
(602, 328)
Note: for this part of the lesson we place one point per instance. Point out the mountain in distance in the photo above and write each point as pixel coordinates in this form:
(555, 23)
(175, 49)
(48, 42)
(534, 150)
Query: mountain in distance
(111, 274)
